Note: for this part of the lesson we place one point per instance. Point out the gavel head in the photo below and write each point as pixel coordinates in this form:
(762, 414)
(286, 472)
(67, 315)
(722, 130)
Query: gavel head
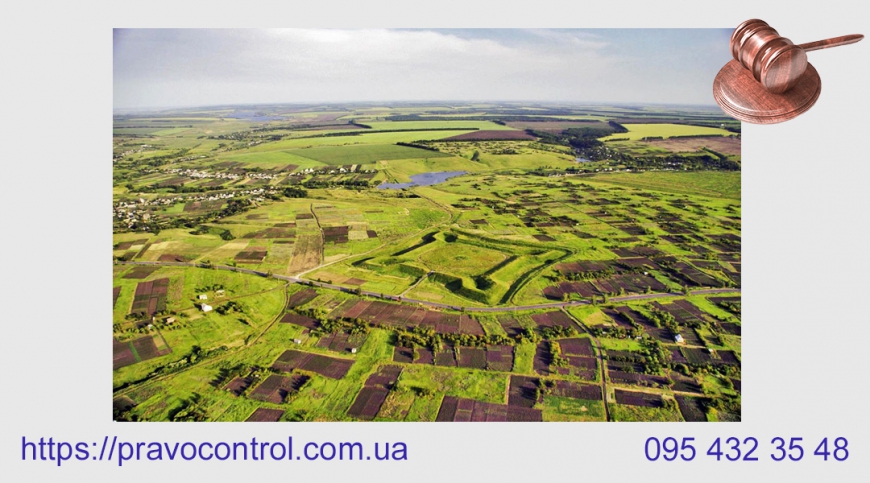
(774, 61)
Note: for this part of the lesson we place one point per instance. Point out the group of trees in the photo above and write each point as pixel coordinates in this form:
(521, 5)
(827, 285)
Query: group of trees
(427, 337)
(195, 355)
(229, 307)
(294, 192)
(328, 325)
(656, 356)
(153, 161)
(191, 409)
(614, 332)
(588, 275)
(334, 183)
(419, 145)
(175, 189)
(583, 138)
(556, 358)
(557, 331)
(418, 337)
(660, 318)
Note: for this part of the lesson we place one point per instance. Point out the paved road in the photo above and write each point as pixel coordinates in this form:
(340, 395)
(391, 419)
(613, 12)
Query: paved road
(554, 305)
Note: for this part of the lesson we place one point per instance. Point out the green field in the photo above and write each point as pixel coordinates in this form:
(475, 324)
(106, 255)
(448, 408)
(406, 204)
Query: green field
(364, 154)
(279, 218)
(620, 412)
(351, 140)
(639, 131)
(717, 185)
(456, 125)
(557, 408)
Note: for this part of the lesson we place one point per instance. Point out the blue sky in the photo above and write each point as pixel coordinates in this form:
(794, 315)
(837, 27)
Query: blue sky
(199, 67)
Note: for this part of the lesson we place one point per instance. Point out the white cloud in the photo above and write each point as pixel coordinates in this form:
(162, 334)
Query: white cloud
(200, 67)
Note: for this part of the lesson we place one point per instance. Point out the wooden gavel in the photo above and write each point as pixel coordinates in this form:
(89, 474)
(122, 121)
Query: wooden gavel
(775, 61)
(769, 80)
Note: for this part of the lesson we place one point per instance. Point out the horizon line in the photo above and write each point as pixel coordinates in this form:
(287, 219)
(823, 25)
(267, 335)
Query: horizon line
(398, 101)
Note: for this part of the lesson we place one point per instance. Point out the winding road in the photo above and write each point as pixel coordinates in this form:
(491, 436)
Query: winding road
(426, 303)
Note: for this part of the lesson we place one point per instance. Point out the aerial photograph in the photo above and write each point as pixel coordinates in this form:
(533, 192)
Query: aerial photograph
(424, 225)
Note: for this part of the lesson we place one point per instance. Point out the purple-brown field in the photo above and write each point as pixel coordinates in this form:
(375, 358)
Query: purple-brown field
(275, 388)
(385, 376)
(302, 320)
(391, 315)
(543, 358)
(140, 272)
(326, 366)
(150, 297)
(458, 409)
(577, 391)
(372, 396)
(129, 244)
(251, 256)
(302, 297)
(136, 350)
(685, 384)
(445, 358)
(493, 358)
(403, 355)
(368, 402)
(626, 316)
(500, 358)
(577, 366)
(265, 415)
(608, 277)
(472, 357)
(524, 391)
(122, 355)
(341, 341)
(697, 356)
(639, 399)
(580, 346)
(491, 136)
(527, 391)
(636, 379)
(556, 318)
(510, 325)
(691, 408)
(238, 385)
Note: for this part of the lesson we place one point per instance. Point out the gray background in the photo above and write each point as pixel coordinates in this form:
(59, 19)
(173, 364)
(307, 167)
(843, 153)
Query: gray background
(804, 247)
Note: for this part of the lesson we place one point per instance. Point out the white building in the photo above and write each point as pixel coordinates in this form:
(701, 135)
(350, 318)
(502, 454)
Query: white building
(206, 308)
(678, 338)
(203, 296)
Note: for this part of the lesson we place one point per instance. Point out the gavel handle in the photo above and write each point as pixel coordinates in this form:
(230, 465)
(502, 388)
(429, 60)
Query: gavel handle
(828, 43)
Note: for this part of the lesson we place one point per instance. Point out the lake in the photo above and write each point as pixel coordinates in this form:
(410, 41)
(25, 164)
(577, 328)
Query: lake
(254, 116)
(423, 179)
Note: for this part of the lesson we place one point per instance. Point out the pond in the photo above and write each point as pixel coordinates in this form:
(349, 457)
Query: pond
(253, 116)
(423, 179)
